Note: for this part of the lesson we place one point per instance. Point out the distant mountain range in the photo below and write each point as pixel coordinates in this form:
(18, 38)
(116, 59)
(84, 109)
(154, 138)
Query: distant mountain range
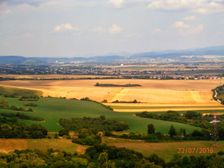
(170, 55)
(217, 50)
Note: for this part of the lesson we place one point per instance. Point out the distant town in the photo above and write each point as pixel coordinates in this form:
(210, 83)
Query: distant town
(124, 71)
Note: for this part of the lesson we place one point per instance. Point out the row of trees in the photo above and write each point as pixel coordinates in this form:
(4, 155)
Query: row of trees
(174, 134)
(190, 117)
(199, 134)
(10, 127)
(172, 131)
(22, 131)
(120, 101)
(116, 85)
(104, 101)
(5, 105)
(21, 116)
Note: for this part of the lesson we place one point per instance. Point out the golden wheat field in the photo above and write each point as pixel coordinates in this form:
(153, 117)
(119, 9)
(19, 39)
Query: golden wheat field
(153, 95)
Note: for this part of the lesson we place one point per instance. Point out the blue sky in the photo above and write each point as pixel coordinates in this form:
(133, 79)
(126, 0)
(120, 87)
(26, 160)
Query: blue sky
(99, 27)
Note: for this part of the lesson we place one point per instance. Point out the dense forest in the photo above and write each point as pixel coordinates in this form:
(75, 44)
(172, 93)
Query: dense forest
(90, 130)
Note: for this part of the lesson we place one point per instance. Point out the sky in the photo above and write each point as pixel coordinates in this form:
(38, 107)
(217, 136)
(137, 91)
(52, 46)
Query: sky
(103, 27)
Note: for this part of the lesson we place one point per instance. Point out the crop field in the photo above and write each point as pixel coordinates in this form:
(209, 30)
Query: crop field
(167, 150)
(153, 95)
(9, 145)
(52, 109)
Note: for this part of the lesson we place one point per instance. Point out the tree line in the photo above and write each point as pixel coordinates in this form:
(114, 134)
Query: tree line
(10, 127)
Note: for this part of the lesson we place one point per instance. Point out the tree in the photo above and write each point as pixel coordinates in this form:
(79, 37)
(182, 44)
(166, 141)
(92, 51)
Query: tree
(104, 101)
(157, 160)
(192, 114)
(172, 131)
(151, 129)
(29, 159)
(146, 164)
(183, 132)
(103, 160)
(37, 131)
(102, 117)
(63, 132)
(216, 162)
(3, 163)
(135, 101)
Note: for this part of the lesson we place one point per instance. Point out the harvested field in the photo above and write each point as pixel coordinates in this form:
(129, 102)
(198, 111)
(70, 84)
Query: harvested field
(154, 95)
(9, 145)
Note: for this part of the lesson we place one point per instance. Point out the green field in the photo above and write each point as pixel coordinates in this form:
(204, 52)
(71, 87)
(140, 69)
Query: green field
(52, 109)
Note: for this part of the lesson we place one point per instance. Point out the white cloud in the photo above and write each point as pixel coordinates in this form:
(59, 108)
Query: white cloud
(186, 26)
(117, 3)
(115, 29)
(64, 27)
(198, 6)
(186, 29)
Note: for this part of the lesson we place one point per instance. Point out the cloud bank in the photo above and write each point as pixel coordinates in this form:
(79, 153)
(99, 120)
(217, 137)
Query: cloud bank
(198, 6)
